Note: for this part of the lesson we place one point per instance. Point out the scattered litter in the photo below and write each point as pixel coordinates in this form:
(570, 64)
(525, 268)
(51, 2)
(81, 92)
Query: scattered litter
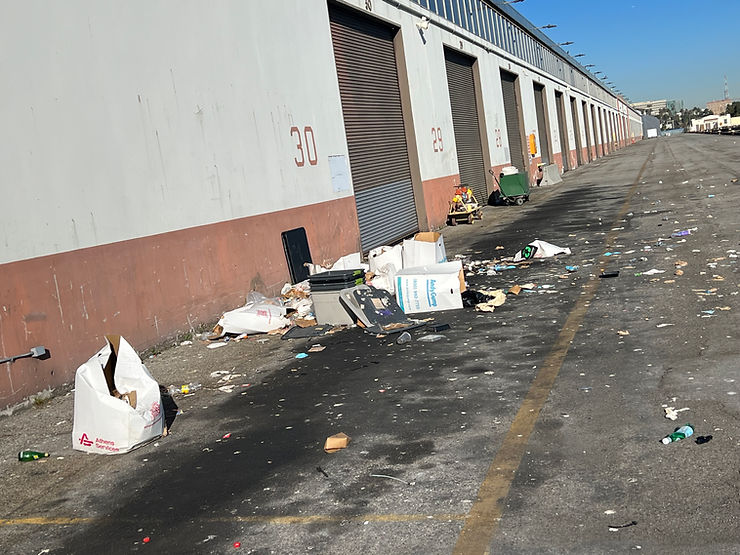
(430, 338)
(227, 388)
(612, 253)
(610, 512)
(684, 232)
(237, 545)
(336, 442)
(301, 355)
(405, 337)
(678, 272)
(226, 436)
(392, 478)
(185, 343)
(319, 469)
(664, 325)
(615, 528)
(609, 274)
(317, 348)
(653, 272)
(439, 327)
(529, 286)
(678, 434)
(623, 332)
(258, 315)
(26, 456)
(515, 289)
(572, 268)
(671, 413)
(216, 345)
(540, 249)
(703, 439)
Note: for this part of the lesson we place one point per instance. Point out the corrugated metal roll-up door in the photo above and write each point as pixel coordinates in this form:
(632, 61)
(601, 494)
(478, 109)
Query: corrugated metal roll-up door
(373, 120)
(576, 130)
(563, 126)
(511, 112)
(595, 122)
(588, 130)
(461, 84)
(542, 127)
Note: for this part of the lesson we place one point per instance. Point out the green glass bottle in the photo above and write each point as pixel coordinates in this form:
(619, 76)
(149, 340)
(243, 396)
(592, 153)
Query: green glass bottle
(25, 456)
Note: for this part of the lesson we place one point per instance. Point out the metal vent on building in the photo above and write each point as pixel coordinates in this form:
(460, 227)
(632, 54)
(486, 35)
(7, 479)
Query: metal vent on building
(461, 85)
(374, 123)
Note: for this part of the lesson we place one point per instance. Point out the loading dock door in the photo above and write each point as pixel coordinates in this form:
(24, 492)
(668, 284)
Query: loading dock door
(543, 130)
(577, 130)
(461, 84)
(562, 125)
(597, 141)
(587, 127)
(513, 129)
(374, 124)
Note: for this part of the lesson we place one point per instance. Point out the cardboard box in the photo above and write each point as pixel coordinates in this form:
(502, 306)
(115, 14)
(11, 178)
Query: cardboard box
(430, 288)
(336, 442)
(424, 249)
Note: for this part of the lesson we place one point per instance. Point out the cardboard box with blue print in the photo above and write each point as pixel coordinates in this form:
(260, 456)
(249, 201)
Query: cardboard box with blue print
(424, 249)
(430, 288)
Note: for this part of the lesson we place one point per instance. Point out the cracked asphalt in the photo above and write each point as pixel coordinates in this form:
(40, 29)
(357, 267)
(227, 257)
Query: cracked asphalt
(532, 429)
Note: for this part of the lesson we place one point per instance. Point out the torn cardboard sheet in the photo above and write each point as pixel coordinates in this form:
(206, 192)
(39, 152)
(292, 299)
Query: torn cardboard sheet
(539, 249)
(336, 442)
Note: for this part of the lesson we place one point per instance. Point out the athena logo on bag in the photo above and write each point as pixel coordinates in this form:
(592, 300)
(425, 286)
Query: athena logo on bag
(118, 406)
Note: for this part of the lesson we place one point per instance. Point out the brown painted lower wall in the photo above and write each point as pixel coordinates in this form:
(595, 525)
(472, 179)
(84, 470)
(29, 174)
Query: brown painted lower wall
(437, 195)
(573, 159)
(584, 155)
(149, 289)
(557, 158)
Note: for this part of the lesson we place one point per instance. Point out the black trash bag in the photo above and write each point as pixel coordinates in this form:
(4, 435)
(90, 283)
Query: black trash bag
(471, 298)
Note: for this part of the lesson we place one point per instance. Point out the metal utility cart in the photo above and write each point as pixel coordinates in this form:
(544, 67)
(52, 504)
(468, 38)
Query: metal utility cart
(464, 206)
(513, 186)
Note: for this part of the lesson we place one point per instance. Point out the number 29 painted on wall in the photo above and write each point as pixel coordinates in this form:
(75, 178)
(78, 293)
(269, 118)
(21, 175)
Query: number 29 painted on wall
(309, 153)
(437, 143)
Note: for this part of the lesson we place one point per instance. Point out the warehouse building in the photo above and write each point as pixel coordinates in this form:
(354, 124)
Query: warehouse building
(156, 153)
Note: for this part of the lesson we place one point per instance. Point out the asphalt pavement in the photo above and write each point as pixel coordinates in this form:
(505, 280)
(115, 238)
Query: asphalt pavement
(532, 429)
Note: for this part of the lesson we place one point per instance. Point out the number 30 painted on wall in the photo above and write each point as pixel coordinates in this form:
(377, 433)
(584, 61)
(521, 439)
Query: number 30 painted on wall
(310, 151)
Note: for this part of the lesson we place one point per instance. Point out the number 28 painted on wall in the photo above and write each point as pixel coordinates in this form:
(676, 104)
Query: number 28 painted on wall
(309, 153)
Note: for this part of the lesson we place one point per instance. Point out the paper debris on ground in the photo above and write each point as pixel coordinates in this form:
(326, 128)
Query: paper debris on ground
(336, 442)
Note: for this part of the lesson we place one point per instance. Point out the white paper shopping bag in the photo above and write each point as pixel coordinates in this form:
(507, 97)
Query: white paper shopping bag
(117, 402)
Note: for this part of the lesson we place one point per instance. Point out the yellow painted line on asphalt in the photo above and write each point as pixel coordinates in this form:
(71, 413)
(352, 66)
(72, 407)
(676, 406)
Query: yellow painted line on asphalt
(46, 520)
(486, 512)
(260, 519)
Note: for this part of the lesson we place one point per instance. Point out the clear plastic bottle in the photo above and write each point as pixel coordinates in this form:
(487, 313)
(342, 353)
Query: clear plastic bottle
(680, 433)
(185, 389)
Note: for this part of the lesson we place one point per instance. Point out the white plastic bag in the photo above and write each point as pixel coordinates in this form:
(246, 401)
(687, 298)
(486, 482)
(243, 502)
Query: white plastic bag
(117, 402)
(539, 249)
(259, 315)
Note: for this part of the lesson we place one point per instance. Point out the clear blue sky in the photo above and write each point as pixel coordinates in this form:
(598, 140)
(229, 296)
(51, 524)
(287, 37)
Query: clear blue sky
(650, 49)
